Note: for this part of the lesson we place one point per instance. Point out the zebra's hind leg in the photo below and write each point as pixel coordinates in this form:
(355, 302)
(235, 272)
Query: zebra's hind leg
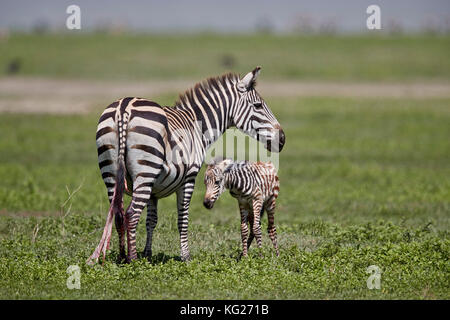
(271, 229)
(119, 222)
(251, 220)
(152, 220)
(120, 227)
(138, 203)
(257, 206)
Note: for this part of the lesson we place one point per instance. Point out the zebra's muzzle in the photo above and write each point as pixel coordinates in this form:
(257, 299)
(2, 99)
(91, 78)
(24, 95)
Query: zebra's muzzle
(275, 142)
(281, 140)
(208, 203)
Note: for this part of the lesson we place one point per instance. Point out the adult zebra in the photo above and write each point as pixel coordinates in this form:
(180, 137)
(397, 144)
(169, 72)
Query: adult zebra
(160, 150)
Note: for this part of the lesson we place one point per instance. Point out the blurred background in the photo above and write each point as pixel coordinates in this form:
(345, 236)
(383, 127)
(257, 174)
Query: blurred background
(235, 16)
(304, 47)
(320, 40)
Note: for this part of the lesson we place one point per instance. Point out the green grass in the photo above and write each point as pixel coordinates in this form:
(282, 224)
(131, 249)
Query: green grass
(363, 182)
(104, 56)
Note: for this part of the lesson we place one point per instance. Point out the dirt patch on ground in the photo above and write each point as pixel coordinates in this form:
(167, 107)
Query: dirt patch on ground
(37, 95)
(24, 214)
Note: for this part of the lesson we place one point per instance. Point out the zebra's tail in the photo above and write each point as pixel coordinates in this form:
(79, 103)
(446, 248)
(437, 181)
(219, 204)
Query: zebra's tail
(116, 206)
(117, 201)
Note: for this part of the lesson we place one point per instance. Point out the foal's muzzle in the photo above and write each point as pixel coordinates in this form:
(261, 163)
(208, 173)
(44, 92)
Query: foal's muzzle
(208, 203)
(281, 139)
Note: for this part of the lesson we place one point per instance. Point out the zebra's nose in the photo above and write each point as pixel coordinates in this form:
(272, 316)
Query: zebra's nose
(280, 135)
(208, 204)
(282, 139)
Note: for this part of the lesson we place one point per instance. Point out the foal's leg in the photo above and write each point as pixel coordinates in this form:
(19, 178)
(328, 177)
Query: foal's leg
(252, 234)
(271, 229)
(244, 229)
(257, 206)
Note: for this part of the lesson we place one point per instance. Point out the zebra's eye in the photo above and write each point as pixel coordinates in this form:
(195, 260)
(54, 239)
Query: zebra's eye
(217, 182)
(257, 105)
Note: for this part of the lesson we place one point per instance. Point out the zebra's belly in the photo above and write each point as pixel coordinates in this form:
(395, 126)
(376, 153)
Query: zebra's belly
(247, 199)
(170, 179)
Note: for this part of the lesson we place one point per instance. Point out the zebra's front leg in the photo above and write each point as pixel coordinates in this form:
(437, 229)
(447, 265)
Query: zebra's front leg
(257, 206)
(152, 220)
(184, 195)
(271, 229)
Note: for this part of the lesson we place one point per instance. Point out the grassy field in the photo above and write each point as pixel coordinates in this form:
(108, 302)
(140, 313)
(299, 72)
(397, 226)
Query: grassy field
(137, 57)
(363, 182)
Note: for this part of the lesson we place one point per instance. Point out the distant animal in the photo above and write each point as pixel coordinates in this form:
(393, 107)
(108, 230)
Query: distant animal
(13, 66)
(255, 185)
(153, 151)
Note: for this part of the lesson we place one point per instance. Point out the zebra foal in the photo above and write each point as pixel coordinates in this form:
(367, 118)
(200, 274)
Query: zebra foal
(255, 185)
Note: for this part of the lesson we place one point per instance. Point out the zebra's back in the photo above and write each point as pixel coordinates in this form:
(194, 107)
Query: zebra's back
(148, 143)
(139, 128)
(270, 183)
(253, 179)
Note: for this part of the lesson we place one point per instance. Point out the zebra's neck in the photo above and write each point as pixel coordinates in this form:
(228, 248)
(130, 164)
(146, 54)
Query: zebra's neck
(211, 104)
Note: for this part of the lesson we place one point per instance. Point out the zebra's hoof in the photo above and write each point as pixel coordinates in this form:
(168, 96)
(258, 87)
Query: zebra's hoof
(242, 256)
(186, 258)
(148, 254)
(130, 259)
(121, 259)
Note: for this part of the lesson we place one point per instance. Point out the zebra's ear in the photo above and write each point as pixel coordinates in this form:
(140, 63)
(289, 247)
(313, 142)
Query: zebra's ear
(225, 164)
(216, 160)
(249, 81)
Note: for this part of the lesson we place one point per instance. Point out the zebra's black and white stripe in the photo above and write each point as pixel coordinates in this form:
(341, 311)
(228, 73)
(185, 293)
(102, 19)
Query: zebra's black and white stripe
(153, 151)
(255, 185)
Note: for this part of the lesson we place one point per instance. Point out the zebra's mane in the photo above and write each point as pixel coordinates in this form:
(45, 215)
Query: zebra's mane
(232, 166)
(217, 160)
(207, 86)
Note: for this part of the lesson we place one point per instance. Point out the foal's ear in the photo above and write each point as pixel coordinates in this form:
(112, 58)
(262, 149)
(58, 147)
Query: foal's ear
(249, 81)
(216, 160)
(225, 164)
